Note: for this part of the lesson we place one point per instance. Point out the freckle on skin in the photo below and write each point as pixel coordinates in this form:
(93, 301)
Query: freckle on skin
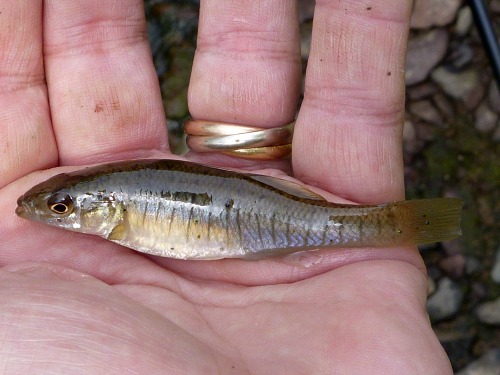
(99, 107)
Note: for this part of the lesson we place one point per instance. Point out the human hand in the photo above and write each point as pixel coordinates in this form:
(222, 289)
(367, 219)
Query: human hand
(71, 303)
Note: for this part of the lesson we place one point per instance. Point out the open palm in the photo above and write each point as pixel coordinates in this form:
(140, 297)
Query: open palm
(84, 91)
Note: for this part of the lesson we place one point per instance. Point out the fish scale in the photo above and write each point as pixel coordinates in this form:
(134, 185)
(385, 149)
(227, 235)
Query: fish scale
(185, 210)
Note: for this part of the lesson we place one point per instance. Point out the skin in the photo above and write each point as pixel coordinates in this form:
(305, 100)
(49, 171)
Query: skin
(85, 91)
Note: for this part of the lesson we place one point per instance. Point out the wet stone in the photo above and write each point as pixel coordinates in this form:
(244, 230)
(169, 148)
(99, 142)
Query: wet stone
(446, 301)
(427, 13)
(425, 51)
(488, 364)
(489, 312)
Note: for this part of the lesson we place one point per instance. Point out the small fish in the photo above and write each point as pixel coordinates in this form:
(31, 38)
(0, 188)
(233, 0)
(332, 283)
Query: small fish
(183, 210)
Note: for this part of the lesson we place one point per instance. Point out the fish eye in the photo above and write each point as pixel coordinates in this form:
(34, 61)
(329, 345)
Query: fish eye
(60, 204)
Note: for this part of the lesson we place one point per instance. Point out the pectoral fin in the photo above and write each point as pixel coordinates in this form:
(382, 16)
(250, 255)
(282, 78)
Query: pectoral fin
(119, 233)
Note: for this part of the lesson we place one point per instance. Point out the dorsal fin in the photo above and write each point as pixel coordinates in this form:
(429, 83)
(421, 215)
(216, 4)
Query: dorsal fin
(287, 186)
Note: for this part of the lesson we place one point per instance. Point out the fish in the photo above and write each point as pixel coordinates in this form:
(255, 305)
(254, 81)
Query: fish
(183, 210)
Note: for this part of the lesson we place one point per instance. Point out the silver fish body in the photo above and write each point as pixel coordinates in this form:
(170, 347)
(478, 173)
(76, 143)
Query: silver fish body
(184, 210)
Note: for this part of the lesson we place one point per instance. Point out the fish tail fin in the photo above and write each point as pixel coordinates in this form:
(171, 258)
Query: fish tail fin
(430, 220)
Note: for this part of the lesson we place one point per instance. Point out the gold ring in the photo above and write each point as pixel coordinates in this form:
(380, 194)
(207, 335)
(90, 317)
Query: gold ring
(249, 142)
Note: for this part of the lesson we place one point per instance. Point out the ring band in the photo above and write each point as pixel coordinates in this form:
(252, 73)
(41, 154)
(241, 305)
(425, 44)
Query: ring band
(249, 142)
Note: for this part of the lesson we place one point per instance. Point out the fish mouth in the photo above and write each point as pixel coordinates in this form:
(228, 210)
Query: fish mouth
(22, 210)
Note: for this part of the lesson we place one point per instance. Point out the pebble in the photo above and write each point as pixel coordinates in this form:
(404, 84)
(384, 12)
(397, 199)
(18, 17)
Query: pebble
(472, 264)
(496, 134)
(495, 272)
(425, 110)
(425, 51)
(446, 301)
(453, 247)
(422, 91)
(460, 55)
(409, 133)
(494, 97)
(453, 265)
(445, 106)
(427, 13)
(431, 285)
(488, 364)
(489, 312)
(457, 337)
(495, 6)
(464, 85)
(486, 119)
(464, 21)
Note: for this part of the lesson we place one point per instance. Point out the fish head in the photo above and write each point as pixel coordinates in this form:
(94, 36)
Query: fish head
(79, 207)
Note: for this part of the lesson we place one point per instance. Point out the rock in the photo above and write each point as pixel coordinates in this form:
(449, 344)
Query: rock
(496, 134)
(446, 301)
(425, 110)
(464, 85)
(453, 247)
(425, 132)
(464, 21)
(445, 106)
(453, 265)
(457, 338)
(495, 6)
(427, 13)
(489, 312)
(460, 55)
(495, 272)
(494, 97)
(478, 292)
(431, 285)
(421, 91)
(424, 52)
(409, 133)
(486, 119)
(488, 364)
(472, 265)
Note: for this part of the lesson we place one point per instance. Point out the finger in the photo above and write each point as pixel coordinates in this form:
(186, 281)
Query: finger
(348, 133)
(247, 63)
(26, 139)
(105, 99)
